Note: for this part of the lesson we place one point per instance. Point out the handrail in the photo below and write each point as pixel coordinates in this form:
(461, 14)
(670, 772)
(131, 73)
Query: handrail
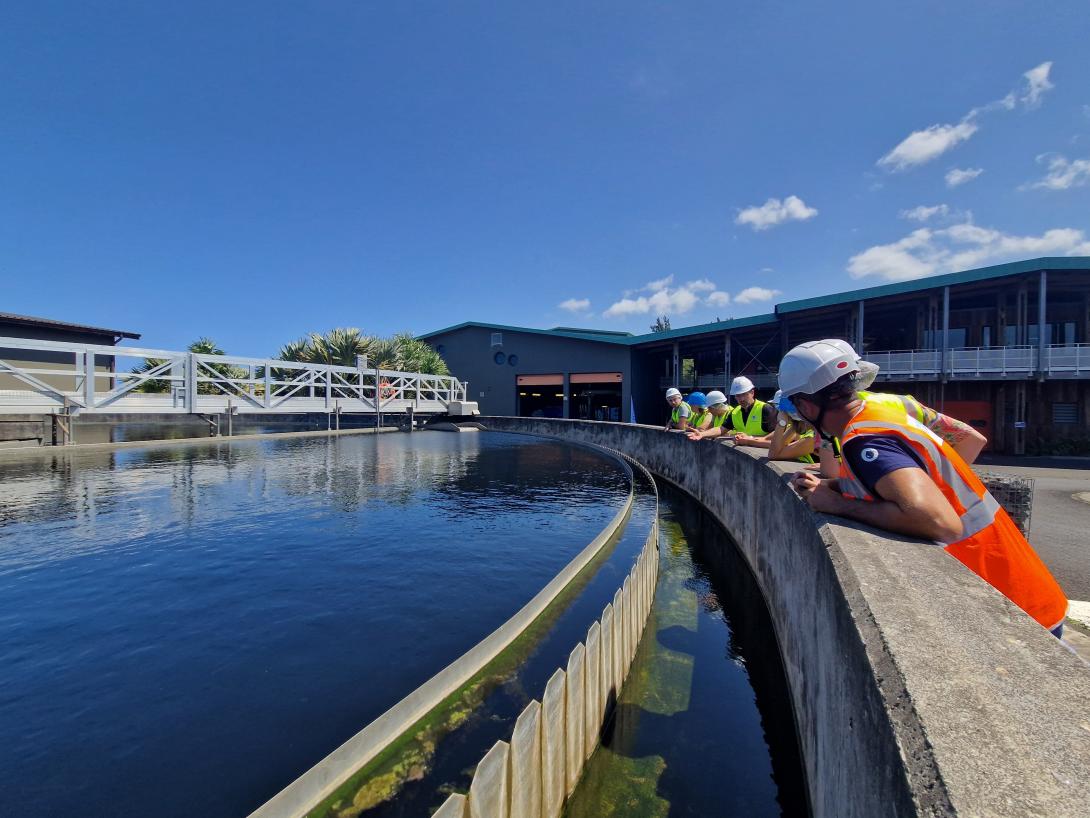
(198, 382)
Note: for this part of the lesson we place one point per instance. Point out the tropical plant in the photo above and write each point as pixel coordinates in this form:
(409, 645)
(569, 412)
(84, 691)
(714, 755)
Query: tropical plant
(340, 347)
(202, 346)
(662, 324)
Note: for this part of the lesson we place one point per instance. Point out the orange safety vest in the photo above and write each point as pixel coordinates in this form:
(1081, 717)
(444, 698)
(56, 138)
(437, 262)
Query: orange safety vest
(991, 545)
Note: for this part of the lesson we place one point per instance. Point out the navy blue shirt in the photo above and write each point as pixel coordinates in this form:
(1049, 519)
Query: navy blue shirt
(872, 457)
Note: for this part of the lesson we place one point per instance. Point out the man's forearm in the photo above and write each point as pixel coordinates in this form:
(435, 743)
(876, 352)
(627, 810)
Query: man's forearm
(884, 514)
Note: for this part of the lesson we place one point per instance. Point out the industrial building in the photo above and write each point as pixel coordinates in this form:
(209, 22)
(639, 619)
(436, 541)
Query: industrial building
(968, 343)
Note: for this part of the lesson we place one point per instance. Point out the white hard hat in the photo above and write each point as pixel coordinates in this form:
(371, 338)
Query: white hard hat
(740, 384)
(810, 367)
(672, 393)
(715, 397)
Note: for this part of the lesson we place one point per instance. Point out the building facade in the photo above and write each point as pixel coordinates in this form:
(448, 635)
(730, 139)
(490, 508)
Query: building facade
(1005, 348)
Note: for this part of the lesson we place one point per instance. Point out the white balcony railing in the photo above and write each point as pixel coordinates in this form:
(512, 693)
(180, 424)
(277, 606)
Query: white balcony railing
(1060, 360)
(1067, 359)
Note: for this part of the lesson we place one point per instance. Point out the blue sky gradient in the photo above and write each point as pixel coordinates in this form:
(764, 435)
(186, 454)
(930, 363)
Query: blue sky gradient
(253, 171)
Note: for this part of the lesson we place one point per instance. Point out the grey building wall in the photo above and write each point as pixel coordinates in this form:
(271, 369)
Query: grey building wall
(469, 353)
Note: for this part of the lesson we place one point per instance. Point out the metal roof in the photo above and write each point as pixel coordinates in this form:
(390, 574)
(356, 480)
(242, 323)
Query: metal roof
(50, 323)
(561, 332)
(949, 279)
(899, 288)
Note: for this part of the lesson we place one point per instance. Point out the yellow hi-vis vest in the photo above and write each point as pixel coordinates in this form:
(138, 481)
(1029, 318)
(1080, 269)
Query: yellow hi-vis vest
(752, 425)
(675, 416)
(911, 406)
(698, 418)
(719, 420)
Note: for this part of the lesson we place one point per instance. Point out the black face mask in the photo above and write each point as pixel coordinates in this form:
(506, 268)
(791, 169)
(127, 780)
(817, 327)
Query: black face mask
(816, 423)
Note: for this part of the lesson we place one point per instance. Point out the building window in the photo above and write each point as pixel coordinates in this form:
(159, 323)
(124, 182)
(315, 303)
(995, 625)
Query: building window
(1064, 414)
(497, 339)
(499, 358)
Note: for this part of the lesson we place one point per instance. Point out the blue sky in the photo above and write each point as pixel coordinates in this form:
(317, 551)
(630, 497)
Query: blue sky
(253, 171)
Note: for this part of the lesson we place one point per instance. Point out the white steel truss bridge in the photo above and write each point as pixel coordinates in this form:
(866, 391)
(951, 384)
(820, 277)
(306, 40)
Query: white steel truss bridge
(50, 377)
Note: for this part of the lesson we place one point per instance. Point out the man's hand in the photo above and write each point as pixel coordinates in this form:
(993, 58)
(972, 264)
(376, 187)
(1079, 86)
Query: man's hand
(697, 435)
(819, 494)
(741, 439)
(804, 483)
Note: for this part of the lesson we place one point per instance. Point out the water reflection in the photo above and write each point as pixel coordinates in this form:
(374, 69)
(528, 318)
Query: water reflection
(704, 725)
(185, 628)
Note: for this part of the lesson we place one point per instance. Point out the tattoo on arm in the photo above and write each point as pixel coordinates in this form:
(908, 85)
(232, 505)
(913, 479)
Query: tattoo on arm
(952, 430)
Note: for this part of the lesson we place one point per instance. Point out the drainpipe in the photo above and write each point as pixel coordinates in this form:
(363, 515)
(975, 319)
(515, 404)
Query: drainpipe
(677, 363)
(567, 394)
(1041, 345)
(859, 329)
(945, 332)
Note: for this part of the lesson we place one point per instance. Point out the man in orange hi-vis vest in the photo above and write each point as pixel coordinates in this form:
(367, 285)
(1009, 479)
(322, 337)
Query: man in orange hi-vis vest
(897, 474)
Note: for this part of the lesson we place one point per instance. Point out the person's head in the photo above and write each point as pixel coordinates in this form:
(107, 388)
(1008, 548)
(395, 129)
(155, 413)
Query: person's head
(717, 402)
(697, 400)
(742, 390)
(821, 379)
(673, 396)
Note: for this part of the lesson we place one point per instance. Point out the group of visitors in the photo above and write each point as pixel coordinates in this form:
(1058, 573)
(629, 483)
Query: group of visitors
(883, 459)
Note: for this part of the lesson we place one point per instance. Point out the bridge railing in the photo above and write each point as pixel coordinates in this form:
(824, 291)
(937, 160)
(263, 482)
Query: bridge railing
(52, 376)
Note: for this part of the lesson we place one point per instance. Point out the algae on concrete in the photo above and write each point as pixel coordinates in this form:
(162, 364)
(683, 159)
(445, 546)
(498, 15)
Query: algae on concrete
(408, 758)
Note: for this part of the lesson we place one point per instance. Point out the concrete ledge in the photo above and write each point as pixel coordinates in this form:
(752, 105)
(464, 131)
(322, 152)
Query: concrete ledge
(917, 688)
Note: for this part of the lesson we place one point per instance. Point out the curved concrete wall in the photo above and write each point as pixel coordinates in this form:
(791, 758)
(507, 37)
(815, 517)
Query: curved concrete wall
(917, 688)
(320, 781)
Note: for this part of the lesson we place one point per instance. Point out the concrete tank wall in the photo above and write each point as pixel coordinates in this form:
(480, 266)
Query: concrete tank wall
(917, 688)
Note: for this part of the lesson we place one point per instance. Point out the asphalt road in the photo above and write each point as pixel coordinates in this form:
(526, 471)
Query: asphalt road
(1060, 525)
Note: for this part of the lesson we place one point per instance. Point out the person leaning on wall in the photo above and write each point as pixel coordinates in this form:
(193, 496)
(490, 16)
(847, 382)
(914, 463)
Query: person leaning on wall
(899, 475)
(719, 412)
(701, 417)
(793, 438)
(680, 411)
(751, 421)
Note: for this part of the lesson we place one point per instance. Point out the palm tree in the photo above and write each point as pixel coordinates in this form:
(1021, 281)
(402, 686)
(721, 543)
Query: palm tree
(340, 346)
(202, 346)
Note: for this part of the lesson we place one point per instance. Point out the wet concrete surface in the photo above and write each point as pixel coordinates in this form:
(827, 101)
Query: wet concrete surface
(1060, 526)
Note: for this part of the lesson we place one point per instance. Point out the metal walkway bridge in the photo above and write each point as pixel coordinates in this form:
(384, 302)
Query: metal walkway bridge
(48, 377)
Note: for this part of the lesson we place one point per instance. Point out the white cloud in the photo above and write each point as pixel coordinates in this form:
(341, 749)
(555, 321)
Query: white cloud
(752, 295)
(575, 304)
(718, 298)
(774, 212)
(924, 213)
(929, 143)
(925, 252)
(959, 176)
(665, 299)
(932, 142)
(1037, 83)
(1062, 174)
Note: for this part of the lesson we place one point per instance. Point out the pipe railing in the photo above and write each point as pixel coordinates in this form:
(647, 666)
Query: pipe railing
(52, 376)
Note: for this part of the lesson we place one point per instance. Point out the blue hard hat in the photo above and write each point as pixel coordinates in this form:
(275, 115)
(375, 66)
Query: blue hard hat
(697, 399)
(787, 407)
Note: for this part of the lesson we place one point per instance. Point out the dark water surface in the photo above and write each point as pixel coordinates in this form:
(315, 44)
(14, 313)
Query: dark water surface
(186, 628)
(703, 726)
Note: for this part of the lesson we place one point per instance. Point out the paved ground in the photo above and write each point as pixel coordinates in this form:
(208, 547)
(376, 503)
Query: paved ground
(1060, 526)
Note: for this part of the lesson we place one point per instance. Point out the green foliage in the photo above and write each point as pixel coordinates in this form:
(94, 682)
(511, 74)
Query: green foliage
(662, 324)
(202, 346)
(339, 347)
